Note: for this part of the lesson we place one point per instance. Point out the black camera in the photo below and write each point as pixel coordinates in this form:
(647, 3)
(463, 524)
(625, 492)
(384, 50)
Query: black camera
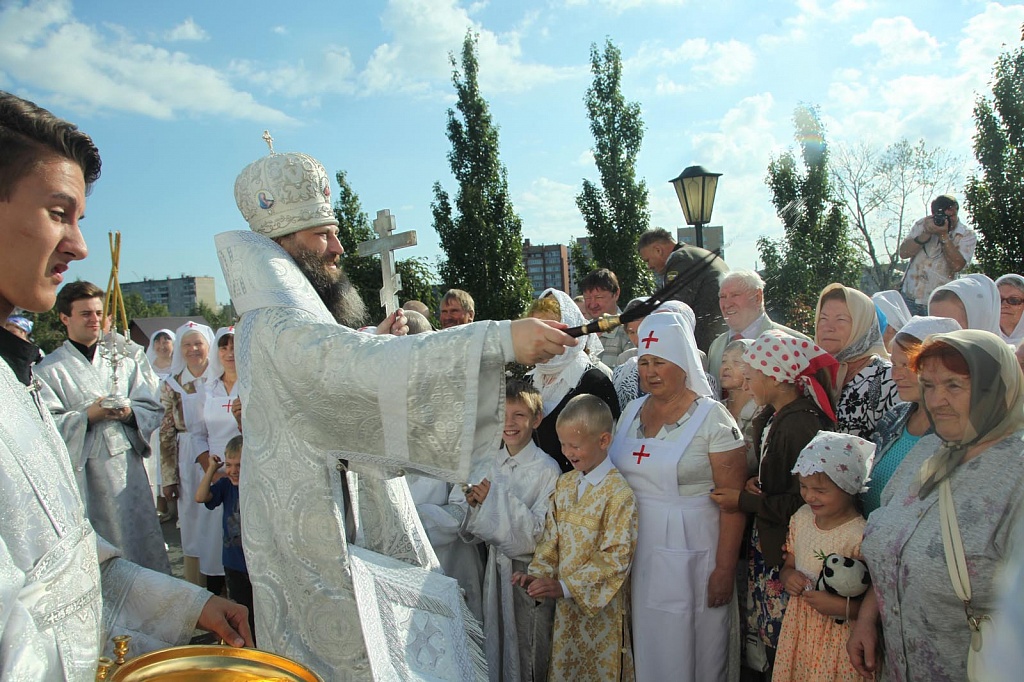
(939, 217)
(939, 206)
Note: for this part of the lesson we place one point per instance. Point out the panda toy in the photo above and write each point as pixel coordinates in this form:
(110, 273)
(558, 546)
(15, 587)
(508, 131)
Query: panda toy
(843, 576)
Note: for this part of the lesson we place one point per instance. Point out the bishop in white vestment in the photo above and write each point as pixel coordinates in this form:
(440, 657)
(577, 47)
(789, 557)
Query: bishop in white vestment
(320, 402)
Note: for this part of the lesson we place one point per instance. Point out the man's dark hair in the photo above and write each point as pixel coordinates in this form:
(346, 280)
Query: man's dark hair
(658, 234)
(30, 135)
(76, 291)
(602, 278)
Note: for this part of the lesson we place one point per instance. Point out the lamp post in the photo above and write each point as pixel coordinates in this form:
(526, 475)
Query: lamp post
(695, 187)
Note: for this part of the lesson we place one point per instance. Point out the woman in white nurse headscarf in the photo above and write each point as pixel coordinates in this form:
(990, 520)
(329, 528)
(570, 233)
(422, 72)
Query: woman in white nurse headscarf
(674, 446)
(567, 375)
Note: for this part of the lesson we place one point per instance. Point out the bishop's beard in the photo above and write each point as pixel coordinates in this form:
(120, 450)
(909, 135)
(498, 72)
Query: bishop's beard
(333, 288)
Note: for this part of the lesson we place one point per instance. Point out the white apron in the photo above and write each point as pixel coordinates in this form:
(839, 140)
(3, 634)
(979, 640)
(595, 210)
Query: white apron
(675, 635)
(188, 510)
(220, 428)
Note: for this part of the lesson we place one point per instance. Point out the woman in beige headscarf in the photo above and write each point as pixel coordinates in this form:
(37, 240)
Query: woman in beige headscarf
(846, 325)
(974, 397)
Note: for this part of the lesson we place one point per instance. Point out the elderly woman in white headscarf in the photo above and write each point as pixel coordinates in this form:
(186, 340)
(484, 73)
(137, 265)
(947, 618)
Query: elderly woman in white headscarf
(1011, 307)
(674, 446)
(160, 353)
(972, 300)
(846, 325)
(565, 376)
(182, 398)
(972, 470)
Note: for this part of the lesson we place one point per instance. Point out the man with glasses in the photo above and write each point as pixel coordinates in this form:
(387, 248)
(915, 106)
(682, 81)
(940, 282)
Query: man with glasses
(939, 246)
(601, 297)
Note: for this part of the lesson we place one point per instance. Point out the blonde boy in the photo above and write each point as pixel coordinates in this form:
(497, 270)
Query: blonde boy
(507, 511)
(583, 558)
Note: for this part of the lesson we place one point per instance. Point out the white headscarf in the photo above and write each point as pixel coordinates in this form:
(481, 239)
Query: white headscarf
(1017, 282)
(669, 336)
(679, 308)
(893, 307)
(559, 375)
(921, 327)
(980, 297)
(843, 457)
(151, 352)
(178, 363)
(215, 369)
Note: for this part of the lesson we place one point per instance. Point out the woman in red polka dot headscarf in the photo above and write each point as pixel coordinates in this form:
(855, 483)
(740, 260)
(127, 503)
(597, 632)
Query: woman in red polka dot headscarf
(791, 379)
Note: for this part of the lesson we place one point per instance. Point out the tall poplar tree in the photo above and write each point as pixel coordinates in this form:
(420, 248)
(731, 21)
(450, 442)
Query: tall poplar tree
(481, 234)
(816, 249)
(995, 199)
(616, 212)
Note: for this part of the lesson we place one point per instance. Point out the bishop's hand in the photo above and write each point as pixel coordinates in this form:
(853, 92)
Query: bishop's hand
(395, 324)
(536, 341)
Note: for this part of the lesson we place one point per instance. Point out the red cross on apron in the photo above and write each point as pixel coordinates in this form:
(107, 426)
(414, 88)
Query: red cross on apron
(227, 405)
(641, 453)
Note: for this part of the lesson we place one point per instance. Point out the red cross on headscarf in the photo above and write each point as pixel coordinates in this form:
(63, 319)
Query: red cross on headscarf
(649, 340)
(640, 454)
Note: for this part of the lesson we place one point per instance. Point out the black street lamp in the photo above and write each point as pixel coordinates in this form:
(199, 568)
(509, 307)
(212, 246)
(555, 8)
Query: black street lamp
(696, 188)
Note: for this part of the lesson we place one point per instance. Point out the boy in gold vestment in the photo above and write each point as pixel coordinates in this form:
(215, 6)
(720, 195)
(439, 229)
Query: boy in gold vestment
(584, 556)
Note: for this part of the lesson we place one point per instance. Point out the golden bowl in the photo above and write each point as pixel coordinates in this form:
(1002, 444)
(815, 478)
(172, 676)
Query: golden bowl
(213, 663)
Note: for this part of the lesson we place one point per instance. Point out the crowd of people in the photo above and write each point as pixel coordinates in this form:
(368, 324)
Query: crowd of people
(700, 494)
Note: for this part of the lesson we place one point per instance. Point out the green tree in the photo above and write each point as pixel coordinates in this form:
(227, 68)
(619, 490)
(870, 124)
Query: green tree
(815, 249)
(217, 320)
(995, 198)
(135, 307)
(481, 235)
(616, 212)
(364, 271)
(884, 191)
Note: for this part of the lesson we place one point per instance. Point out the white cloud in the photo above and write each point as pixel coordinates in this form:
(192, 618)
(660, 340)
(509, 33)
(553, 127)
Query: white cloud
(333, 72)
(280, 30)
(985, 36)
(711, 64)
(799, 27)
(424, 32)
(586, 158)
(46, 48)
(549, 212)
(899, 42)
(187, 30)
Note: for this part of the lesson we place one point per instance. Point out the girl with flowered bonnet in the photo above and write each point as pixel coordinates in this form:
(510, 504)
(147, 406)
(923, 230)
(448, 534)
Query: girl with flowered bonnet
(833, 470)
(791, 380)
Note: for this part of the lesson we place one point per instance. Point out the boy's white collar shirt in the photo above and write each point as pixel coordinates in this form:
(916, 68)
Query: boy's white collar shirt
(595, 476)
(527, 455)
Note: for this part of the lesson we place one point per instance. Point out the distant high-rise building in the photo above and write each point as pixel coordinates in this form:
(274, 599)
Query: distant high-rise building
(713, 237)
(547, 266)
(180, 294)
(584, 243)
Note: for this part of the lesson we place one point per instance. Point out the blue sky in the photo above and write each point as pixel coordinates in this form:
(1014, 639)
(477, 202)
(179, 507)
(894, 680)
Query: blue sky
(177, 95)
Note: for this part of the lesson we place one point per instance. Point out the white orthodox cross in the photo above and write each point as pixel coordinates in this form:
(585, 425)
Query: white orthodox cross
(385, 245)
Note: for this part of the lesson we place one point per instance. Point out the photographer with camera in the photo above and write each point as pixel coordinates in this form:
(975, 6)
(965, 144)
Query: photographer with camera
(938, 246)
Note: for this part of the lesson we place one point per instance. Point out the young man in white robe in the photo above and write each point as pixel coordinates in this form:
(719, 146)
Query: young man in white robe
(107, 445)
(507, 511)
(64, 591)
(320, 401)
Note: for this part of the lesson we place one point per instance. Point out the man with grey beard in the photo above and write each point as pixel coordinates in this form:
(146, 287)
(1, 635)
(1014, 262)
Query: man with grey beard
(332, 417)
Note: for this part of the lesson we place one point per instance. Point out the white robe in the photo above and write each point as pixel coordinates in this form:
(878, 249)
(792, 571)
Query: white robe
(442, 509)
(58, 603)
(517, 628)
(313, 393)
(108, 456)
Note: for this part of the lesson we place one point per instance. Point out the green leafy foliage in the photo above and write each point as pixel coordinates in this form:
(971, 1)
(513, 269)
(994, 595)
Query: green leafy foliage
(481, 235)
(615, 212)
(815, 249)
(995, 197)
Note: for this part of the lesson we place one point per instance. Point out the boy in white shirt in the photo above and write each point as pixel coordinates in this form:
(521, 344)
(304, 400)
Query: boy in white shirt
(507, 511)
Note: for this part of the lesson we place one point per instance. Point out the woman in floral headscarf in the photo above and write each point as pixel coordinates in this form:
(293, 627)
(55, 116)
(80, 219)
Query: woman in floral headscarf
(974, 397)
(846, 325)
(565, 376)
